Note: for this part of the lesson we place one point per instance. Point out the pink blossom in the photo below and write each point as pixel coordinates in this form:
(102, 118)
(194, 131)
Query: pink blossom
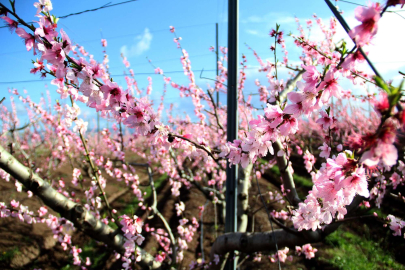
(38, 66)
(330, 86)
(325, 150)
(12, 25)
(28, 38)
(309, 161)
(289, 126)
(4, 212)
(388, 153)
(80, 126)
(273, 112)
(113, 94)
(42, 211)
(396, 225)
(281, 255)
(356, 183)
(14, 204)
(350, 61)
(325, 121)
(104, 42)
(381, 105)
(311, 76)
(295, 108)
(46, 29)
(396, 179)
(55, 55)
(309, 251)
(369, 16)
(43, 5)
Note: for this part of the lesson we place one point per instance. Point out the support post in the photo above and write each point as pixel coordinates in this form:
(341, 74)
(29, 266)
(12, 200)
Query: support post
(232, 123)
(217, 57)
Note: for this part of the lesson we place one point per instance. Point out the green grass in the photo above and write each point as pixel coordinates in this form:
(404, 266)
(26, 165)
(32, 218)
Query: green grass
(89, 251)
(298, 179)
(6, 256)
(351, 251)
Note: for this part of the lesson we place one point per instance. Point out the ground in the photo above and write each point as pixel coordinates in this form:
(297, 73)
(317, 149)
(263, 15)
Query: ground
(356, 245)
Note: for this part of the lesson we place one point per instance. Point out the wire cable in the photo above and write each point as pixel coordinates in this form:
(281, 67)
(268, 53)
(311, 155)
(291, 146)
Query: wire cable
(108, 5)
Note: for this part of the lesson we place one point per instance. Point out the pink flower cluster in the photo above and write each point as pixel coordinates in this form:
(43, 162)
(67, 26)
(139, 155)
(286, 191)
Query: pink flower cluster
(335, 185)
(396, 224)
(307, 250)
(132, 229)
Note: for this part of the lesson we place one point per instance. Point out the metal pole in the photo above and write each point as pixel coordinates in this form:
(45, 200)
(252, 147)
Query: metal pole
(232, 122)
(217, 48)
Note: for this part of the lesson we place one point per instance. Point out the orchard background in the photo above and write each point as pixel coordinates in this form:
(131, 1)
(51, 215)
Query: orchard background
(140, 184)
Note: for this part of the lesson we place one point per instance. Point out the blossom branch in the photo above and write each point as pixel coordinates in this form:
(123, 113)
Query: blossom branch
(94, 170)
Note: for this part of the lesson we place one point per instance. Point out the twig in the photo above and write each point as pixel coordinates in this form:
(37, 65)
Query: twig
(155, 211)
(202, 231)
(224, 261)
(354, 218)
(215, 109)
(196, 145)
(95, 172)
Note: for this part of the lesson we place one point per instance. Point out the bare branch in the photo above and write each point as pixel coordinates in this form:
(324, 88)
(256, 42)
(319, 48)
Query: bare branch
(196, 145)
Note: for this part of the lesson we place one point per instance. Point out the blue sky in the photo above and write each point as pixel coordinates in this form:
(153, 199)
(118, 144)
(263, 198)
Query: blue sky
(141, 29)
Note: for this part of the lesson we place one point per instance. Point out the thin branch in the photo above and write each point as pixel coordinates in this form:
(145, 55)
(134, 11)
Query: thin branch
(355, 218)
(346, 27)
(281, 225)
(215, 110)
(205, 190)
(156, 212)
(199, 146)
(201, 77)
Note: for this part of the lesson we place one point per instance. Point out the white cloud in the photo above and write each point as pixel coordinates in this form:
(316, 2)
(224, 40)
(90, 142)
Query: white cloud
(142, 45)
(256, 33)
(386, 48)
(271, 19)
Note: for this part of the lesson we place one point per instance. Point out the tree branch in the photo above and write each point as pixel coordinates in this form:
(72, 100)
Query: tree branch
(254, 242)
(286, 175)
(68, 209)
